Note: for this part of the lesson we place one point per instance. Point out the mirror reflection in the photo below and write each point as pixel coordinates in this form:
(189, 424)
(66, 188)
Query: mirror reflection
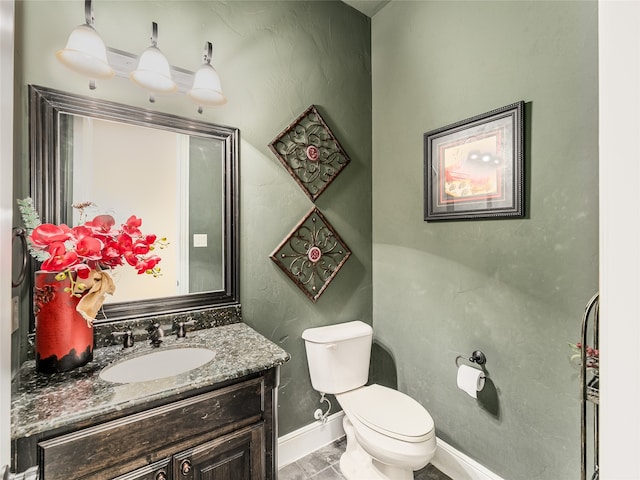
(170, 180)
(178, 175)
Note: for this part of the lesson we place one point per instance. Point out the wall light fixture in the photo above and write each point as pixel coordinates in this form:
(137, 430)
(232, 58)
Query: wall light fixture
(87, 54)
(153, 72)
(207, 89)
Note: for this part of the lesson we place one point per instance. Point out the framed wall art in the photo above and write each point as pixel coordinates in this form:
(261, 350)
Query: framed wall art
(474, 168)
(310, 152)
(312, 254)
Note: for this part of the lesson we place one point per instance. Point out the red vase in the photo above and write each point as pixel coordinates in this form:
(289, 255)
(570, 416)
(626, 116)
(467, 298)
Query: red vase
(64, 341)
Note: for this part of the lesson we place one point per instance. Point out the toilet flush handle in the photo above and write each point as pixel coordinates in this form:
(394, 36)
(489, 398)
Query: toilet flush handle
(330, 345)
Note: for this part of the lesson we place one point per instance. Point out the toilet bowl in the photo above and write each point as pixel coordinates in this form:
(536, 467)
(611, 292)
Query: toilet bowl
(389, 434)
(391, 427)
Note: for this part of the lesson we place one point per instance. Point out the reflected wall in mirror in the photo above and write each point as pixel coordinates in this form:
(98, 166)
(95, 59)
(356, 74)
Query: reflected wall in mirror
(172, 181)
(180, 176)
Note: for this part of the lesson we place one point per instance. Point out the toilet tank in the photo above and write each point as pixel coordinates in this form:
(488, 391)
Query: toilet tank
(338, 356)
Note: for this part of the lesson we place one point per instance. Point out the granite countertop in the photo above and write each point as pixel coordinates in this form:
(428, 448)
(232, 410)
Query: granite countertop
(42, 402)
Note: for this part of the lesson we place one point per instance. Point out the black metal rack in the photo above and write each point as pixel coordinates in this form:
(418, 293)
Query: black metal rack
(590, 391)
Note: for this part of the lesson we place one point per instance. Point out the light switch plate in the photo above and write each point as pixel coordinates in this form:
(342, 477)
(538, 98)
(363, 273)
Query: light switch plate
(199, 239)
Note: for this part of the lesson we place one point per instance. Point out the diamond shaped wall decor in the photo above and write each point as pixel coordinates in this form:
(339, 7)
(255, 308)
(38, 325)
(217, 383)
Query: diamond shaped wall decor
(310, 152)
(312, 254)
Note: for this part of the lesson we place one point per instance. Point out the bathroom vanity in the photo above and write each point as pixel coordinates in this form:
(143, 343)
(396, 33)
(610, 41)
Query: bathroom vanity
(215, 421)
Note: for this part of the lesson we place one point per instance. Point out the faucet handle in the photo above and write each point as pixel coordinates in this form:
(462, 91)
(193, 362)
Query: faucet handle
(180, 329)
(127, 340)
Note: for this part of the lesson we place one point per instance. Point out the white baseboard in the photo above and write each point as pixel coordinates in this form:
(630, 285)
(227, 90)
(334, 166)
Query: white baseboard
(308, 439)
(459, 466)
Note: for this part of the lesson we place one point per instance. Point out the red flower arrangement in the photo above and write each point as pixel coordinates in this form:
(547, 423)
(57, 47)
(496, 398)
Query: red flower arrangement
(93, 246)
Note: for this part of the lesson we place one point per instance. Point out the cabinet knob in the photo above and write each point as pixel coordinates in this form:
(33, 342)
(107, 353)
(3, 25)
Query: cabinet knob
(185, 467)
(162, 475)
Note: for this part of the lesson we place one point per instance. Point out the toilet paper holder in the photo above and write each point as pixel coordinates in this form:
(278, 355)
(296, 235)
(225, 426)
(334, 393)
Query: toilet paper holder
(476, 357)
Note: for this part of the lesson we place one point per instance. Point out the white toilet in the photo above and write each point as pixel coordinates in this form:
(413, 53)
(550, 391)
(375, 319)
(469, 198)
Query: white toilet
(389, 434)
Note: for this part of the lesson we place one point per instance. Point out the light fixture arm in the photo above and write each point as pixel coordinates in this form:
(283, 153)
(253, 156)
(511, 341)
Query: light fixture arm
(154, 34)
(208, 52)
(88, 12)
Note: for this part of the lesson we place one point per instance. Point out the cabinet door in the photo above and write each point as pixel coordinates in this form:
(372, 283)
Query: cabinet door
(155, 471)
(239, 456)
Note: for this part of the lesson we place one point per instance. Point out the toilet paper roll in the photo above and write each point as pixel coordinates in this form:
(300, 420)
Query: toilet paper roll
(470, 379)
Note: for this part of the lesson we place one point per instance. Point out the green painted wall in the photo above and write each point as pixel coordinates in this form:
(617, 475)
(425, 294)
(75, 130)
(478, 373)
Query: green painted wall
(515, 289)
(274, 59)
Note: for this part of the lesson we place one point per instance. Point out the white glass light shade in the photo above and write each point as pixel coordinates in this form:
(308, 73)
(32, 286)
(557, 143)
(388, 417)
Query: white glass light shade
(207, 89)
(86, 53)
(153, 72)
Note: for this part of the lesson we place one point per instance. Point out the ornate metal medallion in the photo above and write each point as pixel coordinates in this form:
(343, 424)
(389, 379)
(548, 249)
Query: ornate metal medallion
(310, 152)
(311, 254)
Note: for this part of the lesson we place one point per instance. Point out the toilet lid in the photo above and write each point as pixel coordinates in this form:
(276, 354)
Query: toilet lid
(388, 412)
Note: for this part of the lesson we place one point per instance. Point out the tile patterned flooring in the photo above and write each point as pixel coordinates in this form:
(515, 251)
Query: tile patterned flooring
(323, 464)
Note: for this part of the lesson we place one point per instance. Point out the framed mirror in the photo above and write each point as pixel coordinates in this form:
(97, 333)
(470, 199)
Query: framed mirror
(180, 176)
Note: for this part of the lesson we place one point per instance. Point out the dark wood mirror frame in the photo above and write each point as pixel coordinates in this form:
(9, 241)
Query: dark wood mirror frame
(51, 179)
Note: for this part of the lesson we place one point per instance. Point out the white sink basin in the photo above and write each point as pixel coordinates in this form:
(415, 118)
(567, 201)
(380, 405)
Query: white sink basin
(157, 364)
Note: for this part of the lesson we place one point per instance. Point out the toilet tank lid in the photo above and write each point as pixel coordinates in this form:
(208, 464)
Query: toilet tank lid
(338, 332)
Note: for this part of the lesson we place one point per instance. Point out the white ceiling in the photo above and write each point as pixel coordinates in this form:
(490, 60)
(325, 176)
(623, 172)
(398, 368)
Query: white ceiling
(368, 7)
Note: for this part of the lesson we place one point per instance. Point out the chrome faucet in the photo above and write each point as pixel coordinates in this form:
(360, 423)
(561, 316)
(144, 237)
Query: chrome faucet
(156, 334)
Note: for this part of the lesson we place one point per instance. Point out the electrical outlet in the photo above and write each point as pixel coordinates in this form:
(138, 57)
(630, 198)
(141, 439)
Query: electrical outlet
(15, 313)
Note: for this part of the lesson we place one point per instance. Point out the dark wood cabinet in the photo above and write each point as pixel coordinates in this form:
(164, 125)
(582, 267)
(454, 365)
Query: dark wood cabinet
(226, 433)
(237, 455)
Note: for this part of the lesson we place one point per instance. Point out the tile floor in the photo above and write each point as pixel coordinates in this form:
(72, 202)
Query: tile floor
(324, 464)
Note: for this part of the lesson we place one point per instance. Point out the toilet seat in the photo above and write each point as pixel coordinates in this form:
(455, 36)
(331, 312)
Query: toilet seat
(388, 412)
